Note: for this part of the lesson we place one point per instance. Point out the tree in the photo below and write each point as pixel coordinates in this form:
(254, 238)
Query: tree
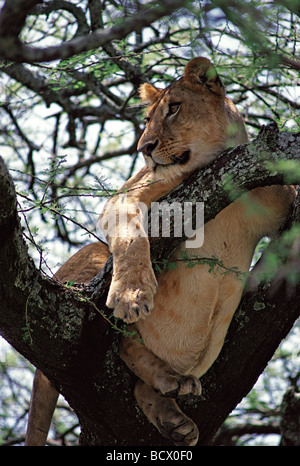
(82, 92)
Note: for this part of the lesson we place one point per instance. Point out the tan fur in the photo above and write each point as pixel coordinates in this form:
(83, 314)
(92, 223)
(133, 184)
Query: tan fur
(84, 265)
(183, 317)
(42, 404)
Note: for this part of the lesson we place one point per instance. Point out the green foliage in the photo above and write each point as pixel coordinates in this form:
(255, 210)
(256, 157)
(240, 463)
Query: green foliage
(214, 265)
(289, 168)
(282, 251)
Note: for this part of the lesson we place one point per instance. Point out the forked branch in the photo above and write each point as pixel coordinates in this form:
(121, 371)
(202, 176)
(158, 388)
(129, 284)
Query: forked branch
(77, 349)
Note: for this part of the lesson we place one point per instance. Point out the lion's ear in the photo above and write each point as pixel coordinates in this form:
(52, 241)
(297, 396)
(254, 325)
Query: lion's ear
(148, 93)
(200, 71)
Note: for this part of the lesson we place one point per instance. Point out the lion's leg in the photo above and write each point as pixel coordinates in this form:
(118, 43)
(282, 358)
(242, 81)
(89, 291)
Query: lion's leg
(155, 372)
(166, 415)
(42, 405)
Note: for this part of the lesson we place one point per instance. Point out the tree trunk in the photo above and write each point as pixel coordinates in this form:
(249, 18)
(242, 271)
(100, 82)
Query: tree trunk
(61, 331)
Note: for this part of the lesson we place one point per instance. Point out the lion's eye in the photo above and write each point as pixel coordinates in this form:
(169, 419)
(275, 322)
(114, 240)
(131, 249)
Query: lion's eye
(173, 108)
(146, 120)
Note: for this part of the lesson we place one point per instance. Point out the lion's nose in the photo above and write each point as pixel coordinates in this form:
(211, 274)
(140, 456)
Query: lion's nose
(148, 148)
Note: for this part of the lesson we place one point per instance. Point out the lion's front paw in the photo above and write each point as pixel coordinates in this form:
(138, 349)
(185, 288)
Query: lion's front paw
(132, 300)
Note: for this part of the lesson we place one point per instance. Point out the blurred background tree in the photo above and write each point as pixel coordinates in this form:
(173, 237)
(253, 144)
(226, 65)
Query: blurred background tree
(70, 121)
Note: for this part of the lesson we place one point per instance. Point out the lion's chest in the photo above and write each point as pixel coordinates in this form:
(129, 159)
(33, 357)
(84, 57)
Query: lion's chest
(194, 305)
(190, 317)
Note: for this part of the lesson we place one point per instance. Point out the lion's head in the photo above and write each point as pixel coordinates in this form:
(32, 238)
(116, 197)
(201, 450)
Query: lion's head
(190, 122)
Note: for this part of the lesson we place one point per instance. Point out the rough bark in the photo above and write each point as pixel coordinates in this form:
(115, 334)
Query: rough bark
(64, 335)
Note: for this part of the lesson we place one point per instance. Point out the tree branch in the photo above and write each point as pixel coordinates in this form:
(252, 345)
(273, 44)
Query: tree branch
(60, 331)
(11, 47)
(13, 16)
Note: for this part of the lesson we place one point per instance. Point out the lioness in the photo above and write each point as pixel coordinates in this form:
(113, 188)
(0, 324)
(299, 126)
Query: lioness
(182, 315)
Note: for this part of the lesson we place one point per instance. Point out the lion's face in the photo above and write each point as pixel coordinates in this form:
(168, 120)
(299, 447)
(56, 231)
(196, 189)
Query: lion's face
(190, 122)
